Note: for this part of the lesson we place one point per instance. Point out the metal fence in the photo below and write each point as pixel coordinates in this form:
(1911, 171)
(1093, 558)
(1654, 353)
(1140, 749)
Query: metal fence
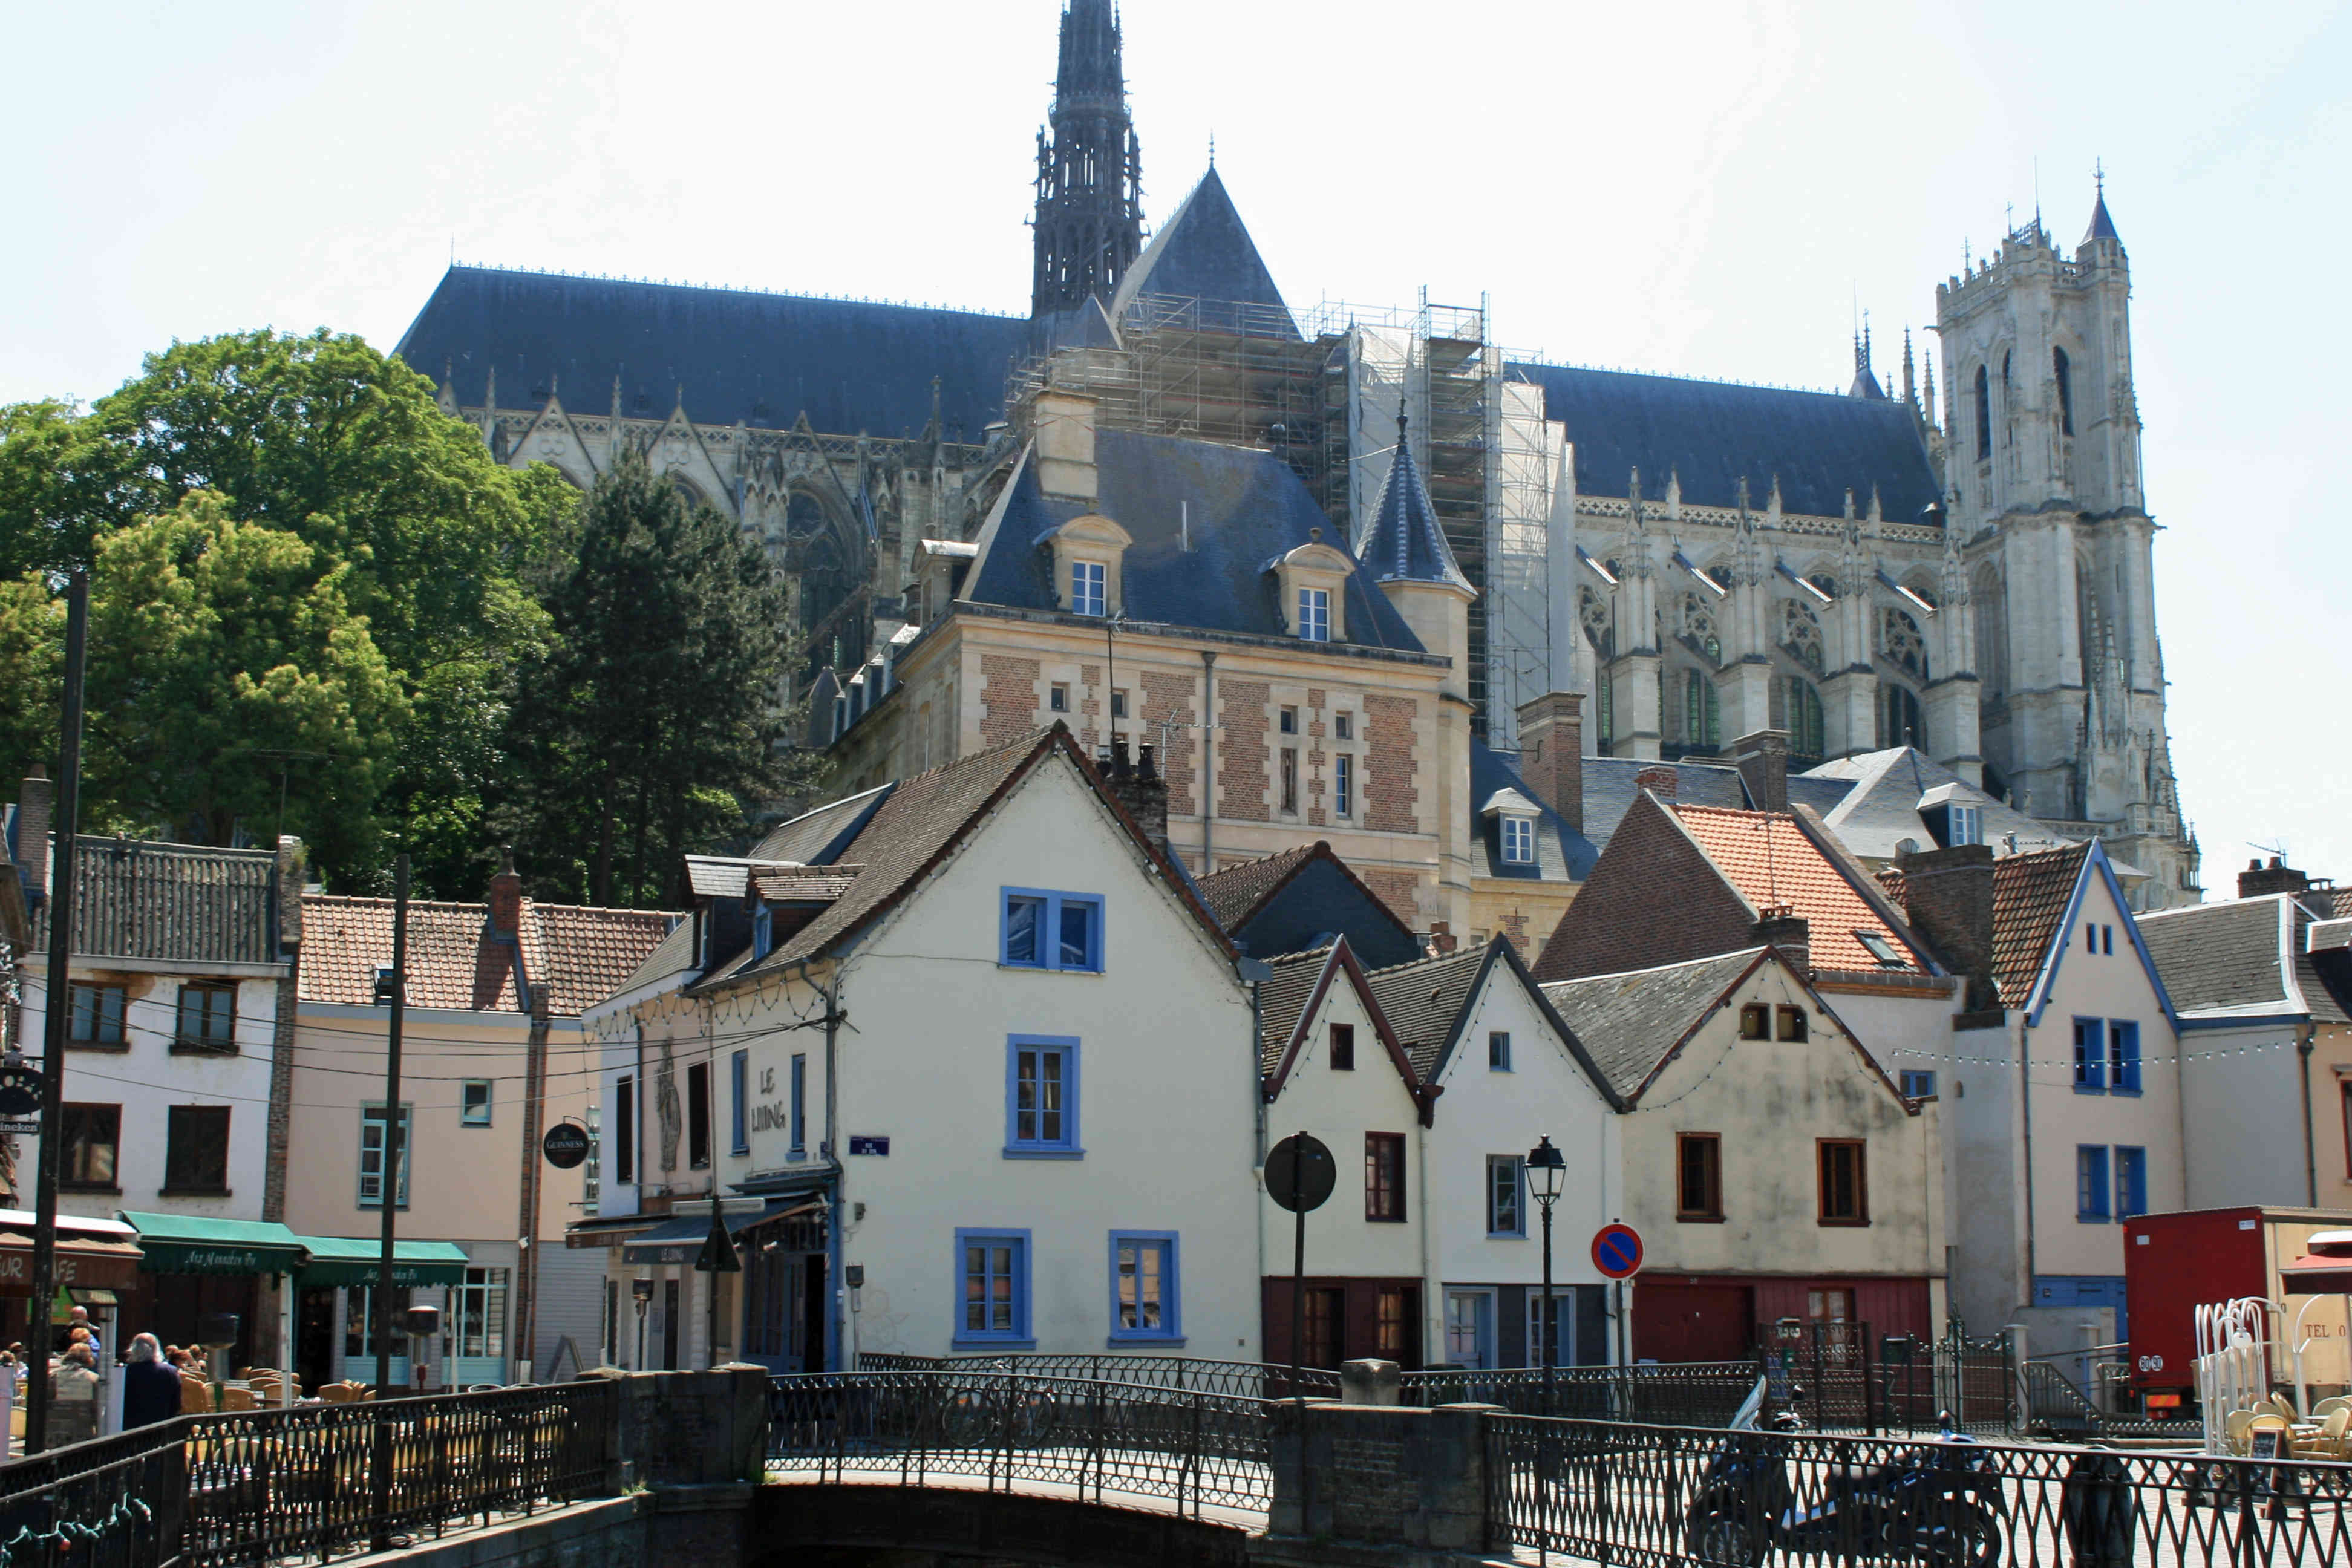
(1674, 1394)
(1651, 1495)
(1099, 1438)
(269, 1486)
(1242, 1379)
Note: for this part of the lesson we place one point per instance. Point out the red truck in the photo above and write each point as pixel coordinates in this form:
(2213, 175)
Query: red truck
(2175, 1263)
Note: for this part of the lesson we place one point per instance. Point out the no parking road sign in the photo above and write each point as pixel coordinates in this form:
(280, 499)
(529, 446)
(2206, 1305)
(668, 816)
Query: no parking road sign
(1617, 1251)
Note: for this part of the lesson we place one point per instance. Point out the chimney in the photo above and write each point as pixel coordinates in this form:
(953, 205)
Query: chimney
(1659, 781)
(1947, 897)
(1439, 941)
(35, 801)
(1762, 759)
(1064, 424)
(504, 899)
(2256, 881)
(1138, 787)
(1781, 926)
(1551, 752)
(292, 872)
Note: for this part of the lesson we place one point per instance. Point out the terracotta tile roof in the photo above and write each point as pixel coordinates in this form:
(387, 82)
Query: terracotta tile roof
(1768, 857)
(2030, 894)
(1235, 893)
(1423, 999)
(580, 955)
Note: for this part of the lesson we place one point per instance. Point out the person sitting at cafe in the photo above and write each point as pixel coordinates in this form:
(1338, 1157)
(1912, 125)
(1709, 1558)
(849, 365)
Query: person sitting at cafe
(151, 1385)
(74, 1416)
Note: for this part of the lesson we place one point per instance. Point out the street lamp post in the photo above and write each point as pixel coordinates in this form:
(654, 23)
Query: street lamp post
(1546, 1167)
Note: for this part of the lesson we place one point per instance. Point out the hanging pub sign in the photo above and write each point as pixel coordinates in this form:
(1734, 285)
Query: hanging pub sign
(566, 1145)
(20, 1091)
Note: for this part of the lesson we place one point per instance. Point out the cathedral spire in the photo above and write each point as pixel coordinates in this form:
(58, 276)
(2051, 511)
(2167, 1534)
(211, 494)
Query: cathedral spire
(1089, 220)
(1866, 385)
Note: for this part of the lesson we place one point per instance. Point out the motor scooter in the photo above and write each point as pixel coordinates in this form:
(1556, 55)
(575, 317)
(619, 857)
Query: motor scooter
(1938, 1504)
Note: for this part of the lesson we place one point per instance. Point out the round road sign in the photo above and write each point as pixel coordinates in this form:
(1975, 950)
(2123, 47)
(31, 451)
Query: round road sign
(1300, 1173)
(1617, 1250)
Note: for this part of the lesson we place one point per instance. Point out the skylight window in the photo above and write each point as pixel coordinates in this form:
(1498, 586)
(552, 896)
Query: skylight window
(1879, 948)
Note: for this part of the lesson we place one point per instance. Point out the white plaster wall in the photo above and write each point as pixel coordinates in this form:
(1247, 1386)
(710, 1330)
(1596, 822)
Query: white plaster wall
(1984, 1164)
(1900, 1032)
(1167, 1070)
(149, 1078)
(2114, 987)
(2243, 1107)
(1338, 1107)
(1769, 1101)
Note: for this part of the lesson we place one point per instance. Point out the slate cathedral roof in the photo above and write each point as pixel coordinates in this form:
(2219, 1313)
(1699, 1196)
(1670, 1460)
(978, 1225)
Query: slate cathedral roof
(1204, 252)
(1711, 434)
(853, 366)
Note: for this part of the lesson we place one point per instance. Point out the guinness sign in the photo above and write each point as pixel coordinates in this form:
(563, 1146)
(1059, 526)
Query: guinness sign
(566, 1145)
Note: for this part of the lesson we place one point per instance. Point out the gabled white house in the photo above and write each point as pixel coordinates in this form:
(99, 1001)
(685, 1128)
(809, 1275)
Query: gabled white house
(1503, 1070)
(973, 1071)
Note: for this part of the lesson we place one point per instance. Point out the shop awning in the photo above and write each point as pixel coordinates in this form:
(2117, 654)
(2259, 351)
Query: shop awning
(679, 1238)
(610, 1231)
(84, 1261)
(350, 1260)
(195, 1244)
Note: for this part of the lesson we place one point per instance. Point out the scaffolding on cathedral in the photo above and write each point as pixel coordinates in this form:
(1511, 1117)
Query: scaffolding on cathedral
(1322, 389)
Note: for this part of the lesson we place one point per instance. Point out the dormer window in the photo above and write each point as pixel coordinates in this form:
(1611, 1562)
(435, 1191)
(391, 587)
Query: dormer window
(763, 928)
(1968, 826)
(1315, 614)
(1086, 595)
(1088, 551)
(1518, 841)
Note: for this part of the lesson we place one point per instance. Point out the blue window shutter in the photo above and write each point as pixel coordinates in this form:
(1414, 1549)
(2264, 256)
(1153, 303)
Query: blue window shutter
(2090, 1054)
(739, 1069)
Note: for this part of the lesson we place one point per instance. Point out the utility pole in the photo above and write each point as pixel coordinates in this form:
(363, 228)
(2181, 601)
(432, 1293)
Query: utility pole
(54, 1015)
(388, 1189)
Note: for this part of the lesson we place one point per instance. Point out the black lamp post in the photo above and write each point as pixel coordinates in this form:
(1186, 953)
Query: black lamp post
(1546, 1167)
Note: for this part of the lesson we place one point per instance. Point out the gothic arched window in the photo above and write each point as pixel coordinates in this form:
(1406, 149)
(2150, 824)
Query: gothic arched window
(1608, 714)
(1702, 722)
(1901, 721)
(1800, 634)
(1593, 612)
(1984, 414)
(1900, 642)
(829, 574)
(1796, 709)
(2066, 374)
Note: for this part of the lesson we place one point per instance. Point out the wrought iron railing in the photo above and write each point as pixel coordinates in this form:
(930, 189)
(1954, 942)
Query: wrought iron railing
(1242, 1379)
(1676, 1394)
(288, 1485)
(1107, 1439)
(1624, 1494)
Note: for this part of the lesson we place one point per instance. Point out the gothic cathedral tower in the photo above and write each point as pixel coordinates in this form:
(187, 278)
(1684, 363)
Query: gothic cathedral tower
(2043, 466)
(1089, 222)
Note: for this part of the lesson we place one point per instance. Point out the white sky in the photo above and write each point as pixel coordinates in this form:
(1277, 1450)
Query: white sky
(1701, 189)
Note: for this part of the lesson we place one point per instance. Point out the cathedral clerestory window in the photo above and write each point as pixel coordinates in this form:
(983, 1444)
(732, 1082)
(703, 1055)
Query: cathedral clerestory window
(2065, 372)
(1984, 415)
(1900, 642)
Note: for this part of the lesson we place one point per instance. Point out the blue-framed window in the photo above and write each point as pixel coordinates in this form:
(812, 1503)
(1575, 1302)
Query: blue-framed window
(1518, 841)
(1041, 1098)
(764, 931)
(1315, 614)
(2090, 1056)
(1507, 1191)
(1146, 1302)
(1498, 1050)
(2090, 1189)
(2131, 1181)
(1343, 784)
(799, 1106)
(2123, 1056)
(1043, 928)
(992, 1289)
(2108, 942)
(738, 1102)
(1087, 580)
(1919, 1083)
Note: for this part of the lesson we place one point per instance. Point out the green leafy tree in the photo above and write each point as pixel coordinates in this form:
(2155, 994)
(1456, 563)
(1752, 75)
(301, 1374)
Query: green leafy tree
(31, 659)
(651, 721)
(221, 652)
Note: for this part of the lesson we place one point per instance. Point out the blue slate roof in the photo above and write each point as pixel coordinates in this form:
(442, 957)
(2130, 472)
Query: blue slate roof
(852, 366)
(1562, 853)
(1710, 433)
(1406, 544)
(2102, 226)
(1246, 508)
(1204, 252)
(1609, 793)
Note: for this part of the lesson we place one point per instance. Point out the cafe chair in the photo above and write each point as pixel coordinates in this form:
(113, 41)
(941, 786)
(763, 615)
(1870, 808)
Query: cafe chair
(195, 1396)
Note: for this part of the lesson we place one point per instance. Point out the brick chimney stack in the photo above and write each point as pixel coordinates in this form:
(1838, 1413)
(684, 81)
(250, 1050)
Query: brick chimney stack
(1138, 787)
(504, 899)
(1762, 759)
(35, 801)
(1661, 780)
(2256, 881)
(1551, 752)
(1947, 897)
(1782, 927)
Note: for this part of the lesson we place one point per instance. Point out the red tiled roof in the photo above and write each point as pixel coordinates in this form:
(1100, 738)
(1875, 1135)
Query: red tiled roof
(580, 955)
(1766, 855)
(2030, 894)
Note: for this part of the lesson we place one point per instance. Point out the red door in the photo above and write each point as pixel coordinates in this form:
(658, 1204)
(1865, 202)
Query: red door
(1691, 1322)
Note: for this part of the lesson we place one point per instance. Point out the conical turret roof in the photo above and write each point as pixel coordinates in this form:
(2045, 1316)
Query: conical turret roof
(1406, 545)
(2102, 226)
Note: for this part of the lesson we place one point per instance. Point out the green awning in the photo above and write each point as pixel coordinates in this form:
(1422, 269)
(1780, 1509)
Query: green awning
(349, 1261)
(195, 1244)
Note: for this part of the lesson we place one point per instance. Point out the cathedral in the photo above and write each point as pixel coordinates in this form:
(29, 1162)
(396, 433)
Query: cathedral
(1960, 564)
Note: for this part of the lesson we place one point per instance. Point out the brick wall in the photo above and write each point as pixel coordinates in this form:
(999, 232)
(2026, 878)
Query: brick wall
(1168, 697)
(1243, 757)
(1396, 890)
(1391, 798)
(1008, 698)
(1514, 928)
(1653, 899)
